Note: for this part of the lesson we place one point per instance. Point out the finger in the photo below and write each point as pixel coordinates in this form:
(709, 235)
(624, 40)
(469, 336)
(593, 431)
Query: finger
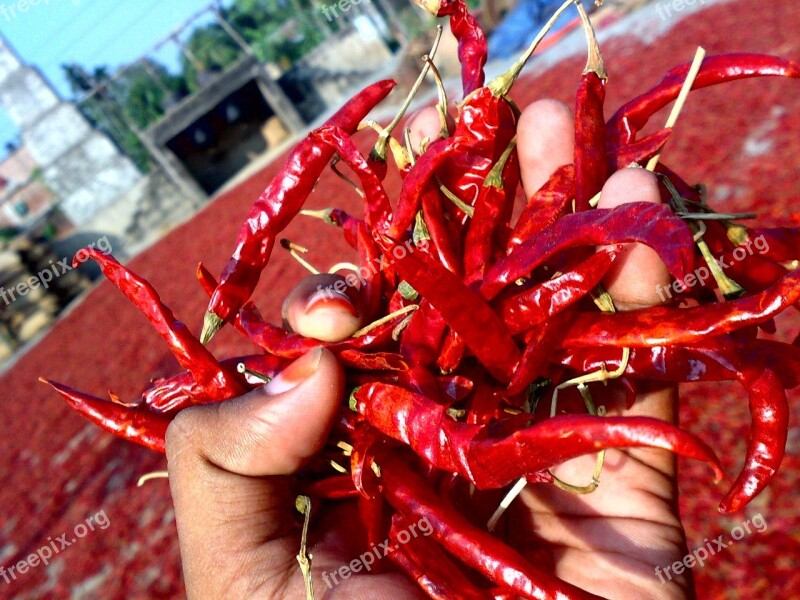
(636, 278)
(545, 141)
(425, 123)
(324, 307)
(225, 465)
(633, 283)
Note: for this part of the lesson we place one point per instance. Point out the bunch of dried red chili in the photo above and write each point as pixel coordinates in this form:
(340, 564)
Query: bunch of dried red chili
(450, 392)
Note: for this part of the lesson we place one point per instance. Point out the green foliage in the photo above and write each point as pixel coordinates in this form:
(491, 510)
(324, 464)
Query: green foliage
(212, 50)
(279, 31)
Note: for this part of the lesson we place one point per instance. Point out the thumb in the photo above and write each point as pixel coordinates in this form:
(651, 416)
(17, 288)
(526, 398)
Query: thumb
(225, 466)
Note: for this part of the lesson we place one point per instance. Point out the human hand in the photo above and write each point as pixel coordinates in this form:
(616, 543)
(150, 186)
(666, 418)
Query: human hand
(230, 463)
(610, 541)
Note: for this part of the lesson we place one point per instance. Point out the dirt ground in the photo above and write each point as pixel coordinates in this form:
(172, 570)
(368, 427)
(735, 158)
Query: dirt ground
(742, 140)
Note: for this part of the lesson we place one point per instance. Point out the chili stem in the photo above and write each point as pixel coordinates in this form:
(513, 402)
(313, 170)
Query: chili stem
(506, 502)
(728, 287)
(294, 250)
(241, 368)
(303, 505)
(684, 94)
(594, 63)
(501, 85)
(343, 265)
(379, 151)
(344, 177)
(150, 476)
(405, 310)
(441, 105)
(463, 206)
(601, 456)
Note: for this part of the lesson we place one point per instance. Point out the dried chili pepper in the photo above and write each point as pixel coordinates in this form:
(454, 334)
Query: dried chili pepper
(216, 381)
(145, 428)
(659, 326)
(650, 224)
(633, 116)
(278, 204)
(489, 461)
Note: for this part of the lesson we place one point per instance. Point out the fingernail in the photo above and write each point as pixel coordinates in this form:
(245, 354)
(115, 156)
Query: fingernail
(327, 299)
(296, 373)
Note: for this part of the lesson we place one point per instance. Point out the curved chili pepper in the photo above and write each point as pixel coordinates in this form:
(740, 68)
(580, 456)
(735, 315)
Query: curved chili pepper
(376, 203)
(633, 116)
(644, 222)
(180, 391)
(543, 301)
(493, 462)
(422, 338)
(770, 422)
(420, 181)
(446, 245)
(464, 310)
(278, 204)
(545, 206)
(660, 326)
(538, 352)
(491, 204)
(427, 564)
(145, 428)
(217, 381)
(639, 152)
(472, 45)
(476, 548)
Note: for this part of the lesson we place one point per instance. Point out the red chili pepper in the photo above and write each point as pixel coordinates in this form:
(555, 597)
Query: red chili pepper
(445, 242)
(476, 548)
(471, 42)
(491, 204)
(422, 338)
(491, 461)
(644, 222)
(543, 301)
(145, 428)
(180, 391)
(659, 326)
(633, 116)
(376, 203)
(216, 381)
(427, 564)
(464, 310)
(545, 206)
(276, 207)
(538, 351)
(419, 181)
(770, 414)
(333, 488)
(639, 152)
(591, 170)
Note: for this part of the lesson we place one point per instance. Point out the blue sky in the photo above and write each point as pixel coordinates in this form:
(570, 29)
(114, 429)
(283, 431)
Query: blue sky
(88, 32)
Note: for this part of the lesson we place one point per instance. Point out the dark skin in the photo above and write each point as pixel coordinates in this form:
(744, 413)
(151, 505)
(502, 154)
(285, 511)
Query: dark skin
(229, 462)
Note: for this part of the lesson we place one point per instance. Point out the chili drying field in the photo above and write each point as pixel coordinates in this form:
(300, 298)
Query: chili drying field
(742, 140)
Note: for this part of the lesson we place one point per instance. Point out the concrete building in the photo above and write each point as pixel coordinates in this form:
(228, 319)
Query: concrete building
(80, 165)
